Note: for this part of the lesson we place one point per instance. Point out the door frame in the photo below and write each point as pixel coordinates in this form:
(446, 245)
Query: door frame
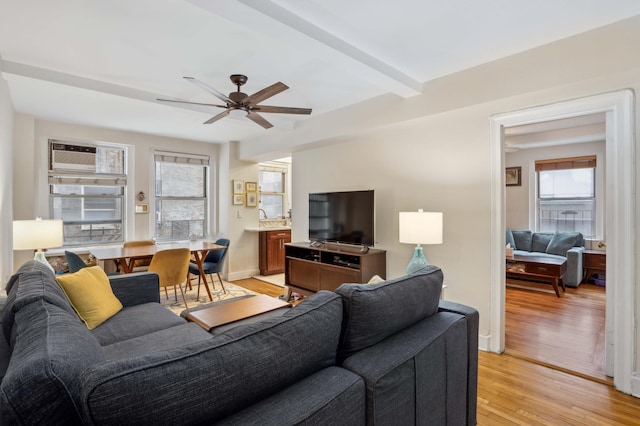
(620, 221)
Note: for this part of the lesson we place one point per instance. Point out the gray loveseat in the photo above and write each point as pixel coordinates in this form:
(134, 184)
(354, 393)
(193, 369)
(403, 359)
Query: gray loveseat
(561, 245)
(383, 354)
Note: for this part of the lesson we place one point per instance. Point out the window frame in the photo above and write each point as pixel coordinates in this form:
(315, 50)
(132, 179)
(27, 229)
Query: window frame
(584, 162)
(181, 158)
(86, 179)
(277, 168)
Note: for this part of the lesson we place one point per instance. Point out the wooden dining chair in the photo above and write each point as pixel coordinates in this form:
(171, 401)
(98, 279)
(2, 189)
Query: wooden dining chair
(139, 264)
(172, 266)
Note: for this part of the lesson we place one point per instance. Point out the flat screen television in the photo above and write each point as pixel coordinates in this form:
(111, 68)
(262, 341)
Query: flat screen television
(345, 217)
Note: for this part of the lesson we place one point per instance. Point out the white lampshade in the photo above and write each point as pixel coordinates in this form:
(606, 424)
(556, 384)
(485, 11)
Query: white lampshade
(421, 227)
(36, 234)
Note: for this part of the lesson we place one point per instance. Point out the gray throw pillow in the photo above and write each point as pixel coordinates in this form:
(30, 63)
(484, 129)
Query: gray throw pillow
(540, 241)
(562, 242)
(510, 239)
(522, 240)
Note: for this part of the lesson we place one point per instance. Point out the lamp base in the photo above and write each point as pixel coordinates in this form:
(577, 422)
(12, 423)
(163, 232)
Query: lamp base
(40, 257)
(418, 261)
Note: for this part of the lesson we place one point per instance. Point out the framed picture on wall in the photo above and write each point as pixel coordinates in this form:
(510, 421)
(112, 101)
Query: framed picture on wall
(238, 186)
(251, 186)
(513, 176)
(238, 199)
(252, 199)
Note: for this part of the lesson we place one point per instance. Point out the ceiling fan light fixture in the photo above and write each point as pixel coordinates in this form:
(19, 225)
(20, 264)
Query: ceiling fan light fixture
(237, 113)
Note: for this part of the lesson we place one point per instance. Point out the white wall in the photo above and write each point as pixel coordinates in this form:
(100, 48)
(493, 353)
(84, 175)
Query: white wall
(6, 181)
(520, 199)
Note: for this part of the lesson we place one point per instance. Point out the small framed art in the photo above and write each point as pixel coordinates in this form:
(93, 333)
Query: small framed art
(238, 186)
(251, 186)
(513, 176)
(252, 199)
(238, 199)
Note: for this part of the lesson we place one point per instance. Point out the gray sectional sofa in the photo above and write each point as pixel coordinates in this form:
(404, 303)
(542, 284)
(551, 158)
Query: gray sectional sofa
(559, 245)
(384, 354)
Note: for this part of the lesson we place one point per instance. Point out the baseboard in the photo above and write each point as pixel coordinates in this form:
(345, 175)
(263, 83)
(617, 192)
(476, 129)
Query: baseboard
(635, 385)
(484, 342)
(241, 275)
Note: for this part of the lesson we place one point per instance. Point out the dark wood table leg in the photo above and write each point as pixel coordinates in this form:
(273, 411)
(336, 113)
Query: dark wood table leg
(199, 260)
(554, 282)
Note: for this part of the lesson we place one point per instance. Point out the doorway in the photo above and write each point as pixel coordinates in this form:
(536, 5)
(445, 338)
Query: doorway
(620, 216)
(565, 333)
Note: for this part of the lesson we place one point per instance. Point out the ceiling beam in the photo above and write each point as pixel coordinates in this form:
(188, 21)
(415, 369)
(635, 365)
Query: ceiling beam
(369, 67)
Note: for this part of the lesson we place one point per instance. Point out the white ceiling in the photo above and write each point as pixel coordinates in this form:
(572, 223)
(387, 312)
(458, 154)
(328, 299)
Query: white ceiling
(103, 63)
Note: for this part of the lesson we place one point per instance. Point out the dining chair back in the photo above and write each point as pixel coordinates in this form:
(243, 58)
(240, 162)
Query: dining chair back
(139, 264)
(74, 261)
(213, 263)
(172, 267)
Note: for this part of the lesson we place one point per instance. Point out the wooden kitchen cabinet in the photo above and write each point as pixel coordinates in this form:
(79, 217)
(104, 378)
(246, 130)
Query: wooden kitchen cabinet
(272, 251)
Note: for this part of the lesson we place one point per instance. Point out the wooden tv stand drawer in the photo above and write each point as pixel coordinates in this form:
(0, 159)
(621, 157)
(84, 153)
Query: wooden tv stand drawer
(311, 269)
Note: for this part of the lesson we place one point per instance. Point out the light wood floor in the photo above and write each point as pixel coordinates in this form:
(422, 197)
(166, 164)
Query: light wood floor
(566, 333)
(515, 391)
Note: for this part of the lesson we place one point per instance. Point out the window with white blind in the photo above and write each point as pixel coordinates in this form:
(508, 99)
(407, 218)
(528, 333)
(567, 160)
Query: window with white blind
(566, 200)
(87, 186)
(272, 186)
(181, 201)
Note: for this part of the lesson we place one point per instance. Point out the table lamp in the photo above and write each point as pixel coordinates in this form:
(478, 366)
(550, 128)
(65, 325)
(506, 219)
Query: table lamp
(37, 235)
(420, 228)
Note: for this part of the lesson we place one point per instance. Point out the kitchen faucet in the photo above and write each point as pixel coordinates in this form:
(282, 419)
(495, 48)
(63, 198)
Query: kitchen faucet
(263, 212)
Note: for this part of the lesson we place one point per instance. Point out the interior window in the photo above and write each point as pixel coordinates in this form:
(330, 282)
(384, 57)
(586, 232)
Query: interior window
(272, 193)
(566, 199)
(87, 185)
(181, 196)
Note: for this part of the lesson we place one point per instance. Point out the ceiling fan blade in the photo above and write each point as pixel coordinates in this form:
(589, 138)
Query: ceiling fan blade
(211, 90)
(265, 93)
(215, 118)
(281, 110)
(257, 118)
(190, 103)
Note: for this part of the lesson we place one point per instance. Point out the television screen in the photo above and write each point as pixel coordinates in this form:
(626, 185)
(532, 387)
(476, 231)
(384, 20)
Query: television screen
(345, 217)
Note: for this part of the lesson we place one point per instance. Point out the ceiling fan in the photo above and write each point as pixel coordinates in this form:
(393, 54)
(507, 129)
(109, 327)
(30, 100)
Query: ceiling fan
(246, 105)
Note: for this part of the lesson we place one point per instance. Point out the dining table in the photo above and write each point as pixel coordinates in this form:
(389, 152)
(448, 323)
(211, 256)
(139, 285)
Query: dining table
(125, 257)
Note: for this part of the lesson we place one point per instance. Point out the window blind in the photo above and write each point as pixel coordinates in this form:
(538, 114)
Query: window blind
(585, 162)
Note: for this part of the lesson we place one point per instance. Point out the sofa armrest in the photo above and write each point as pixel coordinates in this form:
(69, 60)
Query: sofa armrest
(137, 288)
(574, 274)
(473, 324)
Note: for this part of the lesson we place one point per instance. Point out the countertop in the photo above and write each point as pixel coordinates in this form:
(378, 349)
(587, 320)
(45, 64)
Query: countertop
(270, 228)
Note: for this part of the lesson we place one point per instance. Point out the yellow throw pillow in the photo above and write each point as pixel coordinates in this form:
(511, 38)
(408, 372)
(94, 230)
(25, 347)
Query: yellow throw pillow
(90, 294)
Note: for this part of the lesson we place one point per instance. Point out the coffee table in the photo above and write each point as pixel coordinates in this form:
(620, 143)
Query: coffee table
(217, 315)
(539, 268)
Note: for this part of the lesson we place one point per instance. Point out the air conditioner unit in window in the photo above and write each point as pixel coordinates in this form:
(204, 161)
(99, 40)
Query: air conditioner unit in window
(73, 157)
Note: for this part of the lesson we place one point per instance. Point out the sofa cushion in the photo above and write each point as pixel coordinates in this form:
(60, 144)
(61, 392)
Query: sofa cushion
(32, 282)
(160, 340)
(135, 321)
(562, 242)
(540, 241)
(333, 396)
(509, 239)
(52, 349)
(90, 294)
(522, 239)
(373, 312)
(238, 368)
